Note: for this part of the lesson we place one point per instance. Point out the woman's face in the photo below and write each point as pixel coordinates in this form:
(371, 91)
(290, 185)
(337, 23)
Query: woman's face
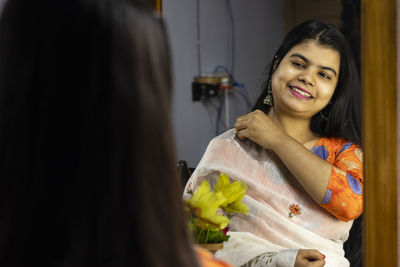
(305, 80)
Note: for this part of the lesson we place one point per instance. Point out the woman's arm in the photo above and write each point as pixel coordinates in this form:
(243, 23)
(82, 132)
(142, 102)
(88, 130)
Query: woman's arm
(335, 185)
(312, 172)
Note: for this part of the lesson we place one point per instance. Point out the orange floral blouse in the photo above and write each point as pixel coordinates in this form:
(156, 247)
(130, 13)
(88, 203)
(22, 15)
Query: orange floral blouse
(344, 196)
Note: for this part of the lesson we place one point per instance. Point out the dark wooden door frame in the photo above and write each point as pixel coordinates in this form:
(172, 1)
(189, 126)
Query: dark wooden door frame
(379, 83)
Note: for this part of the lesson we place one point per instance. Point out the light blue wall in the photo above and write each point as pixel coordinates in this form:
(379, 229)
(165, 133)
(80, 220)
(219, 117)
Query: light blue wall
(259, 30)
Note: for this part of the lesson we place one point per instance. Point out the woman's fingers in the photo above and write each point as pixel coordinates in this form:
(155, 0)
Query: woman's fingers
(249, 118)
(309, 258)
(259, 128)
(243, 118)
(240, 125)
(312, 254)
(242, 134)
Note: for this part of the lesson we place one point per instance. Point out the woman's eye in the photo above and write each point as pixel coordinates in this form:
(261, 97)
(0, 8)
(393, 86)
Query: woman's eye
(323, 75)
(298, 64)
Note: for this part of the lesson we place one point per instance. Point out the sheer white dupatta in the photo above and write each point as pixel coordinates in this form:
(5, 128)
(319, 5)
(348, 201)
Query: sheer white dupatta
(282, 219)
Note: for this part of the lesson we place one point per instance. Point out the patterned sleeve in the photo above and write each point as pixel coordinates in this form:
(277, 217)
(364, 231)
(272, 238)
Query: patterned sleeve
(344, 197)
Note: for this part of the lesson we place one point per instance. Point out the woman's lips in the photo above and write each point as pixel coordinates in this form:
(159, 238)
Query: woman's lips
(300, 92)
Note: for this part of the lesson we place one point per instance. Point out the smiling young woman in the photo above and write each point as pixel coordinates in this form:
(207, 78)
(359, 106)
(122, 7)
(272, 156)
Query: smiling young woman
(300, 147)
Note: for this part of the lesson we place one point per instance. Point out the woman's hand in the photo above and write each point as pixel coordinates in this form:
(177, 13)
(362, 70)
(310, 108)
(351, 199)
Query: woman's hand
(259, 128)
(309, 258)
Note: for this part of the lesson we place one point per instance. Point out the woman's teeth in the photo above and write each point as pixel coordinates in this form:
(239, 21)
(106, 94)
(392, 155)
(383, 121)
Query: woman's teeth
(300, 92)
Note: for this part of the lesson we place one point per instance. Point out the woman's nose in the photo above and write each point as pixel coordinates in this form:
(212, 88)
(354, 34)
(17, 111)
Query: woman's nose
(307, 78)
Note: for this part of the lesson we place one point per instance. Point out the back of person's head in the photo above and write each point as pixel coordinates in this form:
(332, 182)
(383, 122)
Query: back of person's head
(86, 161)
(344, 111)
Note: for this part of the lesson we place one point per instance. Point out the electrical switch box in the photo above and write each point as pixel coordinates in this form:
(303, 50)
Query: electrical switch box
(210, 85)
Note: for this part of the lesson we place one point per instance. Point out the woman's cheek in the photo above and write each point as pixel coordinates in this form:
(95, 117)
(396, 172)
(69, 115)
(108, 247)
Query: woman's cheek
(327, 91)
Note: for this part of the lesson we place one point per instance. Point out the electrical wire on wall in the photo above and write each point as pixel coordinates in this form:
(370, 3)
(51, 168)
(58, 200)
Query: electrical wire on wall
(233, 41)
(231, 72)
(203, 86)
(198, 42)
(237, 88)
(241, 90)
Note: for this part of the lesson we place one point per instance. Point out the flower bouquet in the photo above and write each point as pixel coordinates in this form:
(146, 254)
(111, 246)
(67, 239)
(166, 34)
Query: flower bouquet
(210, 211)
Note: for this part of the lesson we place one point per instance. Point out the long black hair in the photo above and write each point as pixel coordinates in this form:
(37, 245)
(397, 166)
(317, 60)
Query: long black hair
(344, 113)
(88, 174)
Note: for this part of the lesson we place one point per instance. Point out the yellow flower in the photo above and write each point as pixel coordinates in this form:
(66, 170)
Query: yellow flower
(233, 194)
(204, 205)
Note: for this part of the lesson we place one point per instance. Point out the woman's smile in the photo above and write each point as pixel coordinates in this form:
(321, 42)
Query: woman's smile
(299, 92)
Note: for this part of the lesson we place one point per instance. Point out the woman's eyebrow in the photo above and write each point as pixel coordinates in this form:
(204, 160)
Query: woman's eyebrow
(307, 61)
(300, 56)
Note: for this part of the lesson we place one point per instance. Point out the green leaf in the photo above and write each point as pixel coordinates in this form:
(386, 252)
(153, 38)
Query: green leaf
(216, 237)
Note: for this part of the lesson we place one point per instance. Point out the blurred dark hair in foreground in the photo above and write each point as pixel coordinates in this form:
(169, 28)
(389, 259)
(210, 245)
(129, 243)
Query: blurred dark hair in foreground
(88, 176)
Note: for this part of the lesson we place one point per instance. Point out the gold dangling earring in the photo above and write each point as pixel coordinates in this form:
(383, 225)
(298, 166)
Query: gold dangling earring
(268, 99)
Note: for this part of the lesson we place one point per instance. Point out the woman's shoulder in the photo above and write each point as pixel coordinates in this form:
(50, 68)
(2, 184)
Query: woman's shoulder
(207, 259)
(334, 143)
(227, 138)
(332, 147)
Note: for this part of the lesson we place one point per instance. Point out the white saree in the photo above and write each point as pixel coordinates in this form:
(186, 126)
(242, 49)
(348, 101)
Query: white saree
(282, 219)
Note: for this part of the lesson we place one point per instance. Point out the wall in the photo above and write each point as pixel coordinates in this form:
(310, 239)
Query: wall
(259, 29)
